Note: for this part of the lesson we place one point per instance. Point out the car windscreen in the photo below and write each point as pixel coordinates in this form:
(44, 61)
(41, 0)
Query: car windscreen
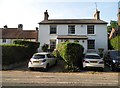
(115, 55)
(38, 56)
(92, 57)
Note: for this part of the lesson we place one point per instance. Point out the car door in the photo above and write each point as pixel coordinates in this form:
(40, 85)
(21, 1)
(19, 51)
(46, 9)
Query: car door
(49, 59)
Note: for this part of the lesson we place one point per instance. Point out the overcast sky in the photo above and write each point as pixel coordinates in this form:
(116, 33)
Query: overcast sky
(30, 12)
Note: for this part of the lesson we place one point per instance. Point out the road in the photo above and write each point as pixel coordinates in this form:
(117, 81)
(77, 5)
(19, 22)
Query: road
(29, 78)
(54, 77)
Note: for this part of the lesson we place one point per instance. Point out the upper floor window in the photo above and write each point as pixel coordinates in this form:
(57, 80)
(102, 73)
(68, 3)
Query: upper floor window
(71, 29)
(53, 29)
(90, 29)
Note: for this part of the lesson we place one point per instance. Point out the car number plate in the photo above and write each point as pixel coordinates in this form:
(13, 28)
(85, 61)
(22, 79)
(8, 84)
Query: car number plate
(35, 61)
(93, 61)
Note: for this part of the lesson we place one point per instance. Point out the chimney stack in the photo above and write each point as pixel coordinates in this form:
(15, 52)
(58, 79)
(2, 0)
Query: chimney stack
(97, 15)
(46, 15)
(20, 26)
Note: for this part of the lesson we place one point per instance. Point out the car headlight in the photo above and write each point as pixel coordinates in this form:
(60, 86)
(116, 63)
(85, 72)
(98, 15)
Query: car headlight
(102, 62)
(114, 61)
(44, 60)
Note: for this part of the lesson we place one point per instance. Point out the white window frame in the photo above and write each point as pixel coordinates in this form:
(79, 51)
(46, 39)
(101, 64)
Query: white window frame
(88, 46)
(53, 29)
(71, 29)
(90, 29)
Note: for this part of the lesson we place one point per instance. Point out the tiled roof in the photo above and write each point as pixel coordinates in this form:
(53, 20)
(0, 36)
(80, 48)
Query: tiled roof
(15, 33)
(72, 21)
(72, 37)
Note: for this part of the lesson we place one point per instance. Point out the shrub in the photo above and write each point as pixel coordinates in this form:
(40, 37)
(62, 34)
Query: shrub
(72, 54)
(45, 47)
(101, 51)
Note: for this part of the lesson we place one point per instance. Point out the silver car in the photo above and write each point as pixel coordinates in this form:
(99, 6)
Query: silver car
(42, 60)
(93, 60)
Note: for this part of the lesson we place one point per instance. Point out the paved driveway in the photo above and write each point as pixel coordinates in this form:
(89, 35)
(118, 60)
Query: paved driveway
(58, 68)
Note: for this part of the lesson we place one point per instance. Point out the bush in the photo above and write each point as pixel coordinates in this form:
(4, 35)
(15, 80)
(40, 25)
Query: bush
(13, 54)
(45, 47)
(71, 53)
(101, 51)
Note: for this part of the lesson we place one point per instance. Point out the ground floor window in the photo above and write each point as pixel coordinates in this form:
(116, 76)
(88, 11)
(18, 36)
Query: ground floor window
(91, 44)
(52, 44)
(4, 40)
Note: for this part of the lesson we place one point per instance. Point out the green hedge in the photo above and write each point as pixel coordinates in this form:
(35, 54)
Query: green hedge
(115, 42)
(71, 54)
(13, 54)
(32, 46)
(18, 52)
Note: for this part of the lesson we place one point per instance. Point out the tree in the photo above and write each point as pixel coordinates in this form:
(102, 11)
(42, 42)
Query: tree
(114, 24)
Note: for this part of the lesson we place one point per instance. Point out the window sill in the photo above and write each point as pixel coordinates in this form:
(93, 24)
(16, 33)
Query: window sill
(91, 34)
(52, 34)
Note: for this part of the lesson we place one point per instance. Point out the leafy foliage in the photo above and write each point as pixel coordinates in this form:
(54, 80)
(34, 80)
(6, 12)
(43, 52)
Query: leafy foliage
(114, 24)
(13, 53)
(71, 54)
(45, 47)
(115, 42)
(18, 52)
(32, 46)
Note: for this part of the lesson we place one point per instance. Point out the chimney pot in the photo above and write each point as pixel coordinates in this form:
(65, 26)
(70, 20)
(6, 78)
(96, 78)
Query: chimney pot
(20, 26)
(36, 28)
(5, 27)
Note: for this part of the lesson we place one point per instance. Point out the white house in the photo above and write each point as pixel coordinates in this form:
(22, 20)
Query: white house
(91, 33)
(8, 35)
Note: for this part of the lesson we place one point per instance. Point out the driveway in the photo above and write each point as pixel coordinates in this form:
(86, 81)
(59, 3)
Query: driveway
(58, 68)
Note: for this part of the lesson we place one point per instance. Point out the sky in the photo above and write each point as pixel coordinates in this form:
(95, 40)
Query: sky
(31, 12)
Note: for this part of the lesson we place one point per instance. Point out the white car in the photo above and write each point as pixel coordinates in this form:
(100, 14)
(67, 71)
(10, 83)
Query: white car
(93, 60)
(42, 60)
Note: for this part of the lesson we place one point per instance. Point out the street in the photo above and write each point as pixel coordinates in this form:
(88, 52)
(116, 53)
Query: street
(31, 78)
(21, 76)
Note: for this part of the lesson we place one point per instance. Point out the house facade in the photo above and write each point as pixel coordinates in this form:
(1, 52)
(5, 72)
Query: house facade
(11, 34)
(90, 33)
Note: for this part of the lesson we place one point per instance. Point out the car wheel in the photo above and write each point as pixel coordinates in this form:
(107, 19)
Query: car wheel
(102, 69)
(47, 67)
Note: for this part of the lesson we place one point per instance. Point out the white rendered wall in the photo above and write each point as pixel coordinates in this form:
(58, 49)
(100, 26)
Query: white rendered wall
(100, 35)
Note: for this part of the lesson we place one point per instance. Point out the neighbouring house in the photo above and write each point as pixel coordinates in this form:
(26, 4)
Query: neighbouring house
(11, 34)
(91, 33)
